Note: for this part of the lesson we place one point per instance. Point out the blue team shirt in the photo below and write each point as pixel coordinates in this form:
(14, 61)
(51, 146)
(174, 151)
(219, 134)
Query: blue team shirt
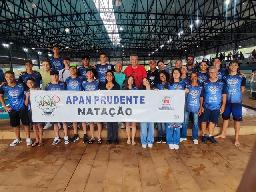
(202, 77)
(193, 98)
(55, 87)
(57, 63)
(212, 93)
(222, 73)
(90, 86)
(177, 86)
(233, 86)
(161, 86)
(101, 71)
(74, 84)
(24, 76)
(15, 95)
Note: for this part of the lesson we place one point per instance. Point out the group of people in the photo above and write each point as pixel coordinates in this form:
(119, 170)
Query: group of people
(210, 91)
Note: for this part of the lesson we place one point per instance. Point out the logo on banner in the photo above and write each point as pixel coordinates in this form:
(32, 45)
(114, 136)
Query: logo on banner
(166, 104)
(47, 104)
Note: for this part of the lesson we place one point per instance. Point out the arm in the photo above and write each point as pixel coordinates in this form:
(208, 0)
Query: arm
(6, 108)
(224, 100)
(201, 109)
(27, 94)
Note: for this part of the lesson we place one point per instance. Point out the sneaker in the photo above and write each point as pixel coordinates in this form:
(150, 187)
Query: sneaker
(195, 141)
(144, 146)
(28, 141)
(212, 139)
(75, 138)
(171, 146)
(56, 141)
(91, 141)
(159, 141)
(66, 140)
(47, 126)
(204, 139)
(128, 141)
(85, 138)
(150, 145)
(176, 147)
(133, 143)
(15, 142)
(164, 140)
(183, 139)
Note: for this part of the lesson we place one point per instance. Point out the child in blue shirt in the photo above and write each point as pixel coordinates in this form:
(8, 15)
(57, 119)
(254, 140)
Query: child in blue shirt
(214, 101)
(235, 84)
(193, 99)
(17, 110)
(56, 85)
(173, 129)
(203, 73)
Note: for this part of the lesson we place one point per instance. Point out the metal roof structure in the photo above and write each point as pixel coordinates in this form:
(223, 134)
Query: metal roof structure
(121, 27)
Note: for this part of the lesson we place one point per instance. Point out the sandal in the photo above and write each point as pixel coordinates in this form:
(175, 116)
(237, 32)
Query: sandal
(35, 144)
(91, 140)
(99, 141)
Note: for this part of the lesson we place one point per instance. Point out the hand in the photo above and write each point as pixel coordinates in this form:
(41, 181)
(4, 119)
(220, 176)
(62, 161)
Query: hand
(222, 109)
(202, 110)
(186, 91)
(199, 112)
(27, 94)
(7, 109)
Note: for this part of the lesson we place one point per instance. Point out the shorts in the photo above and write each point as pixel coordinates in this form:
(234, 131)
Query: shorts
(17, 116)
(211, 116)
(235, 109)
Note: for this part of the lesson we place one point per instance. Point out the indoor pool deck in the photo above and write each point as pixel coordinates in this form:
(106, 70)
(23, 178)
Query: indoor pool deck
(110, 168)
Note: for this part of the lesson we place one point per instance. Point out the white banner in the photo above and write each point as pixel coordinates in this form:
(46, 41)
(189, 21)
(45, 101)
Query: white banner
(108, 106)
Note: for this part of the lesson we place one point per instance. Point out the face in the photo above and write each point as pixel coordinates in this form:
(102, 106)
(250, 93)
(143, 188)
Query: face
(190, 60)
(89, 75)
(176, 74)
(130, 81)
(46, 66)
(103, 58)
(54, 78)
(213, 73)
(194, 77)
(216, 63)
(184, 70)
(152, 64)
(66, 62)
(178, 64)
(203, 66)
(28, 66)
(73, 71)
(161, 65)
(145, 82)
(134, 60)
(85, 62)
(56, 50)
(233, 67)
(162, 77)
(30, 84)
(118, 67)
(109, 77)
(9, 78)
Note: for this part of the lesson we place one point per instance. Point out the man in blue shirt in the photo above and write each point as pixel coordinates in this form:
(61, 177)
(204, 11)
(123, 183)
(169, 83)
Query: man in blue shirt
(30, 73)
(203, 73)
(222, 72)
(85, 67)
(56, 61)
(102, 68)
(214, 101)
(17, 110)
(235, 84)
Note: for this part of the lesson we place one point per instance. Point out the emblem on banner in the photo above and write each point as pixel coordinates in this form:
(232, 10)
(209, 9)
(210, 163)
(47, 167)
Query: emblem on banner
(47, 104)
(166, 104)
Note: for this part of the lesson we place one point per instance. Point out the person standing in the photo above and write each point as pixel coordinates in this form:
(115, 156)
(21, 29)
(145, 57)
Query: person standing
(153, 74)
(65, 72)
(235, 84)
(45, 73)
(82, 70)
(135, 70)
(56, 61)
(17, 110)
(119, 75)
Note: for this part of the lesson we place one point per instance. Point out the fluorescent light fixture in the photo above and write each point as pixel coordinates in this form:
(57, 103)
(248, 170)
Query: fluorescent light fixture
(161, 46)
(6, 45)
(191, 26)
(66, 47)
(169, 41)
(149, 54)
(67, 30)
(39, 53)
(239, 46)
(106, 10)
(49, 54)
(227, 2)
(25, 49)
(121, 28)
(33, 48)
(197, 21)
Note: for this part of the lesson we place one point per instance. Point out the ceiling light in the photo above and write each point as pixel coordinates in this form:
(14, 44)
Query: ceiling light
(6, 45)
(197, 21)
(161, 46)
(25, 49)
(39, 53)
(67, 30)
(227, 2)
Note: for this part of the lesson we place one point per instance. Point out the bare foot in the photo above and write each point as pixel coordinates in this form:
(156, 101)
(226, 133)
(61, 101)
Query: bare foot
(237, 143)
(220, 136)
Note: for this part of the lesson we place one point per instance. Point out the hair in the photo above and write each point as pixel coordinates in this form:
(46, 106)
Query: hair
(31, 79)
(126, 82)
(103, 53)
(190, 56)
(234, 61)
(66, 58)
(114, 80)
(160, 61)
(86, 57)
(28, 61)
(9, 72)
(216, 58)
(212, 67)
(45, 60)
(142, 86)
(167, 75)
(175, 69)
